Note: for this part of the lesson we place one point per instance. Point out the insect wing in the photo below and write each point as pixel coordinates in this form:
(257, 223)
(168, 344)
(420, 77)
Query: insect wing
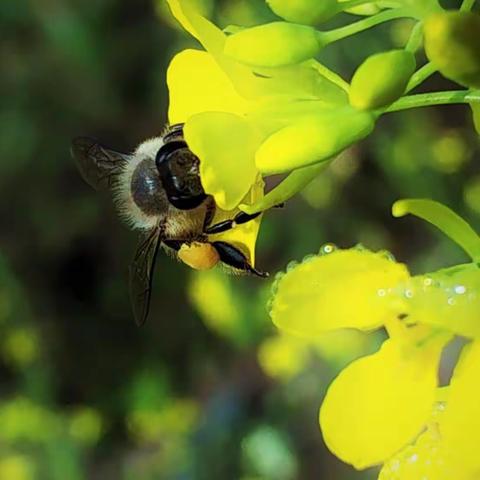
(141, 274)
(98, 165)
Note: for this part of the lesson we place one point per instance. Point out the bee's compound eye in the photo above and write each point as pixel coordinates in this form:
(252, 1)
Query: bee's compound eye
(198, 255)
(146, 188)
(179, 174)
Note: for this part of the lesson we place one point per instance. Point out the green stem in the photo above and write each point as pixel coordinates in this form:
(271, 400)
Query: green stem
(467, 5)
(287, 188)
(416, 37)
(364, 24)
(436, 98)
(331, 75)
(421, 75)
(444, 219)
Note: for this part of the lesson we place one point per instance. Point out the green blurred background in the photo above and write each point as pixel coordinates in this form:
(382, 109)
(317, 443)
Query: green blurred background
(207, 389)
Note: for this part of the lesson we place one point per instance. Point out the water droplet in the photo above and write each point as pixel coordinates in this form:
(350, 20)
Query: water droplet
(360, 247)
(327, 248)
(291, 265)
(388, 255)
(269, 305)
(381, 292)
(395, 465)
(276, 282)
(460, 289)
(279, 276)
(427, 281)
(308, 258)
(413, 458)
(408, 293)
(451, 301)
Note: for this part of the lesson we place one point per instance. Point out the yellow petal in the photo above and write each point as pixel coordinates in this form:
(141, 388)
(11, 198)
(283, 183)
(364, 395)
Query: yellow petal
(379, 403)
(448, 299)
(460, 425)
(299, 83)
(211, 91)
(226, 145)
(344, 289)
(421, 461)
(189, 15)
(213, 40)
(243, 236)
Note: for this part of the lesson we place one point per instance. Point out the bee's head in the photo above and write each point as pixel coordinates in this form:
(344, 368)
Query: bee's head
(178, 168)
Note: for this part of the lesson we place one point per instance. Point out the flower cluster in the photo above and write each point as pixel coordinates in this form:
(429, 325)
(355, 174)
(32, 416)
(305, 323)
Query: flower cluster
(256, 102)
(388, 407)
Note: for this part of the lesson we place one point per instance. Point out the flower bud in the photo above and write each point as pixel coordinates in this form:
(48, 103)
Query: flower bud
(452, 44)
(307, 12)
(312, 140)
(274, 44)
(381, 79)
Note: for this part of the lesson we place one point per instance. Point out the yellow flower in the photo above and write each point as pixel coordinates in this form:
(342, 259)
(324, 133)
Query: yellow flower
(449, 447)
(238, 119)
(342, 289)
(380, 403)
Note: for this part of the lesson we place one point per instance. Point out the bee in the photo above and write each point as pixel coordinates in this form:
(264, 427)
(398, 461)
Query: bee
(157, 190)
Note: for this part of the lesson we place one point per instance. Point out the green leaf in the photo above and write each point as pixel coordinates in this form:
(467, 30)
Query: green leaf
(444, 219)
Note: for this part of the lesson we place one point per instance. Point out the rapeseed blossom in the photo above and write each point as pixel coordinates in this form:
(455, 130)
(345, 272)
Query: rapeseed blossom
(375, 411)
(244, 122)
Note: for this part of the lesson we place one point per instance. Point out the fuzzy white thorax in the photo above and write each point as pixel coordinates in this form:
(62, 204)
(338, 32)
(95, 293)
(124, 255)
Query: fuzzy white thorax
(128, 210)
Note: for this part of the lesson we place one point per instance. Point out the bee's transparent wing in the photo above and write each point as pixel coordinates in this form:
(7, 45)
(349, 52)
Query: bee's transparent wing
(141, 274)
(98, 165)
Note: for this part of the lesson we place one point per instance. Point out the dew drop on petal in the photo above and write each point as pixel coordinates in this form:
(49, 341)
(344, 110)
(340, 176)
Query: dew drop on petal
(308, 258)
(327, 248)
(276, 282)
(427, 281)
(269, 305)
(279, 276)
(413, 458)
(395, 465)
(291, 265)
(388, 256)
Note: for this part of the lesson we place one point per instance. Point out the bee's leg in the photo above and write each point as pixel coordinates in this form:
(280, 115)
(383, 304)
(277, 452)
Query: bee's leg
(240, 218)
(209, 213)
(235, 258)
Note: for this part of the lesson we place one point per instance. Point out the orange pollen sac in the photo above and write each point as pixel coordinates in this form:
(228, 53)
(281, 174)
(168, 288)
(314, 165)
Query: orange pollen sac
(197, 255)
